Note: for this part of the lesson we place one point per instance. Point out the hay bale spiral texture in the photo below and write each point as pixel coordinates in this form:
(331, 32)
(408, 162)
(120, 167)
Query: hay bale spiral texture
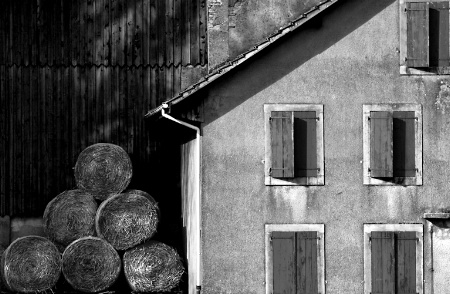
(127, 219)
(103, 169)
(31, 264)
(70, 216)
(90, 264)
(152, 266)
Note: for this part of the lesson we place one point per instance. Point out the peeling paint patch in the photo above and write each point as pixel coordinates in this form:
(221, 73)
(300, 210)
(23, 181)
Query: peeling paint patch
(443, 98)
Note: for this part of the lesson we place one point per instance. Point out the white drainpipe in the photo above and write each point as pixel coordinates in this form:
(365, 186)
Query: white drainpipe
(197, 192)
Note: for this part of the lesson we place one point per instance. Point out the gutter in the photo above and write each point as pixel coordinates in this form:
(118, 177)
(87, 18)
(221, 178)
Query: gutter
(197, 193)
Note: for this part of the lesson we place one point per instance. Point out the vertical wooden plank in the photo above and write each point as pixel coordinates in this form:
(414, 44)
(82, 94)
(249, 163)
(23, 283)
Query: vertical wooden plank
(417, 34)
(114, 116)
(130, 108)
(59, 125)
(34, 127)
(123, 88)
(67, 127)
(177, 32)
(406, 265)
(98, 28)
(11, 33)
(161, 82)
(83, 39)
(161, 25)
(57, 32)
(26, 145)
(195, 34)
(26, 32)
(65, 32)
(51, 32)
(153, 33)
(169, 82)
(145, 31)
(106, 32)
(202, 31)
(131, 24)
(383, 262)
(122, 50)
(404, 144)
(439, 35)
(75, 100)
(16, 44)
(89, 49)
(91, 75)
(34, 38)
(282, 145)
(305, 144)
(137, 35)
(176, 80)
(186, 32)
(11, 154)
(76, 22)
(3, 35)
(3, 135)
(381, 147)
(107, 80)
(115, 32)
(153, 87)
(19, 177)
(169, 32)
(284, 262)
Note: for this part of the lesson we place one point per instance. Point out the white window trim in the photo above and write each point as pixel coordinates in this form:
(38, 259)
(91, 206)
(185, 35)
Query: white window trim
(408, 181)
(307, 181)
(404, 69)
(368, 228)
(319, 228)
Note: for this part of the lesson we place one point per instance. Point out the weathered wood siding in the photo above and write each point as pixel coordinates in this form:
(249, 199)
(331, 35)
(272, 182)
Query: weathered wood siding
(74, 73)
(103, 32)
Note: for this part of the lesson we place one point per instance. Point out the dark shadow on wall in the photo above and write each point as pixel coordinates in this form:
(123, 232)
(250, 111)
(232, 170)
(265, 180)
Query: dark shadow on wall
(284, 56)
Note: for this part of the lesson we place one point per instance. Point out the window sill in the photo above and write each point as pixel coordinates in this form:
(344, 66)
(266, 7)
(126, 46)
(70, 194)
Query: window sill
(404, 70)
(304, 181)
(396, 181)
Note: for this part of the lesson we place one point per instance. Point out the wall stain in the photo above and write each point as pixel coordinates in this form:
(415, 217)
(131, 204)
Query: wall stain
(443, 98)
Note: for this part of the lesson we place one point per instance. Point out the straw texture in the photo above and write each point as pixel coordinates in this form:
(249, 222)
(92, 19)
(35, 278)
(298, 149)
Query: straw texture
(31, 264)
(70, 216)
(90, 264)
(152, 266)
(127, 219)
(103, 169)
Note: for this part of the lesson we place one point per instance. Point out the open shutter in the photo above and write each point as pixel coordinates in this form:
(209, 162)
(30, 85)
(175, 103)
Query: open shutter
(406, 262)
(307, 263)
(404, 125)
(282, 144)
(383, 262)
(381, 151)
(417, 34)
(305, 143)
(284, 262)
(439, 33)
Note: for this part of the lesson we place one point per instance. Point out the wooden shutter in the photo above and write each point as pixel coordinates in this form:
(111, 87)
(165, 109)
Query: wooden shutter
(417, 34)
(305, 144)
(284, 262)
(381, 151)
(406, 262)
(282, 144)
(404, 125)
(383, 262)
(439, 33)
(307, 263)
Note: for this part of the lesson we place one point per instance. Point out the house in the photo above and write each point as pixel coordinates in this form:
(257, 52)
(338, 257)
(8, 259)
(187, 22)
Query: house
(317, 161)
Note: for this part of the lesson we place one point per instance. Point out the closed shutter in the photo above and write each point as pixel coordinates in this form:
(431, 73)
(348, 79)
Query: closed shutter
(307, 263)
(417, 34)
(404, 125)
(381, 151)
(439, 33)
(383, 262)
(305, 143)
(282, 144)
(284, 263)
(406, 262)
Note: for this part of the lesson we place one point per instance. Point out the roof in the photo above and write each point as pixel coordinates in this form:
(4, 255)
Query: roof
(229, 65)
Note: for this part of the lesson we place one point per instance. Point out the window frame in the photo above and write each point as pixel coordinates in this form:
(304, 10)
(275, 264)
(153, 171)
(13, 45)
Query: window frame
(406, 181)
(319, 228)
(298, 181)
(368, 228)
(404, 69)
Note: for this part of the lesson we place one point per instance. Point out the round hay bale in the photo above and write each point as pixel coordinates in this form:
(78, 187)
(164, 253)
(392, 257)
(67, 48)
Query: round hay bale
(152, 266)
(70, 216)
(103, 169)
(31, 264)
(90, 264)
(127, 219)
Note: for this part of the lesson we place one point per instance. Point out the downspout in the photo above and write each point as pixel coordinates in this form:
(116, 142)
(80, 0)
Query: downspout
(197, 192)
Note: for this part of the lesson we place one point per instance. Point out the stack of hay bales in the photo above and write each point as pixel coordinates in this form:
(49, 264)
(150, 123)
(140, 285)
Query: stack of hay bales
(87, 227)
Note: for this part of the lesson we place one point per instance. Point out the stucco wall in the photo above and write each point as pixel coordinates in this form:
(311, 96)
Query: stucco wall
(351, 60)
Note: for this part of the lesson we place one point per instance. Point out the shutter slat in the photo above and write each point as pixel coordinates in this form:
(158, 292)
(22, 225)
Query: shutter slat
(381, 152)
(417, 34)
(404, 144)
(439, 33)
(283, 244)
(281, 128)
(305, 143)
(406, 267)
(383, 262)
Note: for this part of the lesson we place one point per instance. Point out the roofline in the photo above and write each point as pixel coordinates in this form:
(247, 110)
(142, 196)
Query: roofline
(229, 65)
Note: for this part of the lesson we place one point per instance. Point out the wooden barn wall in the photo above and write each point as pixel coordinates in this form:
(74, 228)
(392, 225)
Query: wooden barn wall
(103, 32)
(75, 73)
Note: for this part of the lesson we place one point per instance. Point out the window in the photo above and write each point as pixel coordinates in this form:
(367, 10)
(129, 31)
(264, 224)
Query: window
(294, 144)
(393, 258)
(424, 37)
(392, 144)
(295, 258)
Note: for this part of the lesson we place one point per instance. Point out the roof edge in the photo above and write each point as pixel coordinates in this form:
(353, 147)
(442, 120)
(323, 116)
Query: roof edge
(241, 58)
